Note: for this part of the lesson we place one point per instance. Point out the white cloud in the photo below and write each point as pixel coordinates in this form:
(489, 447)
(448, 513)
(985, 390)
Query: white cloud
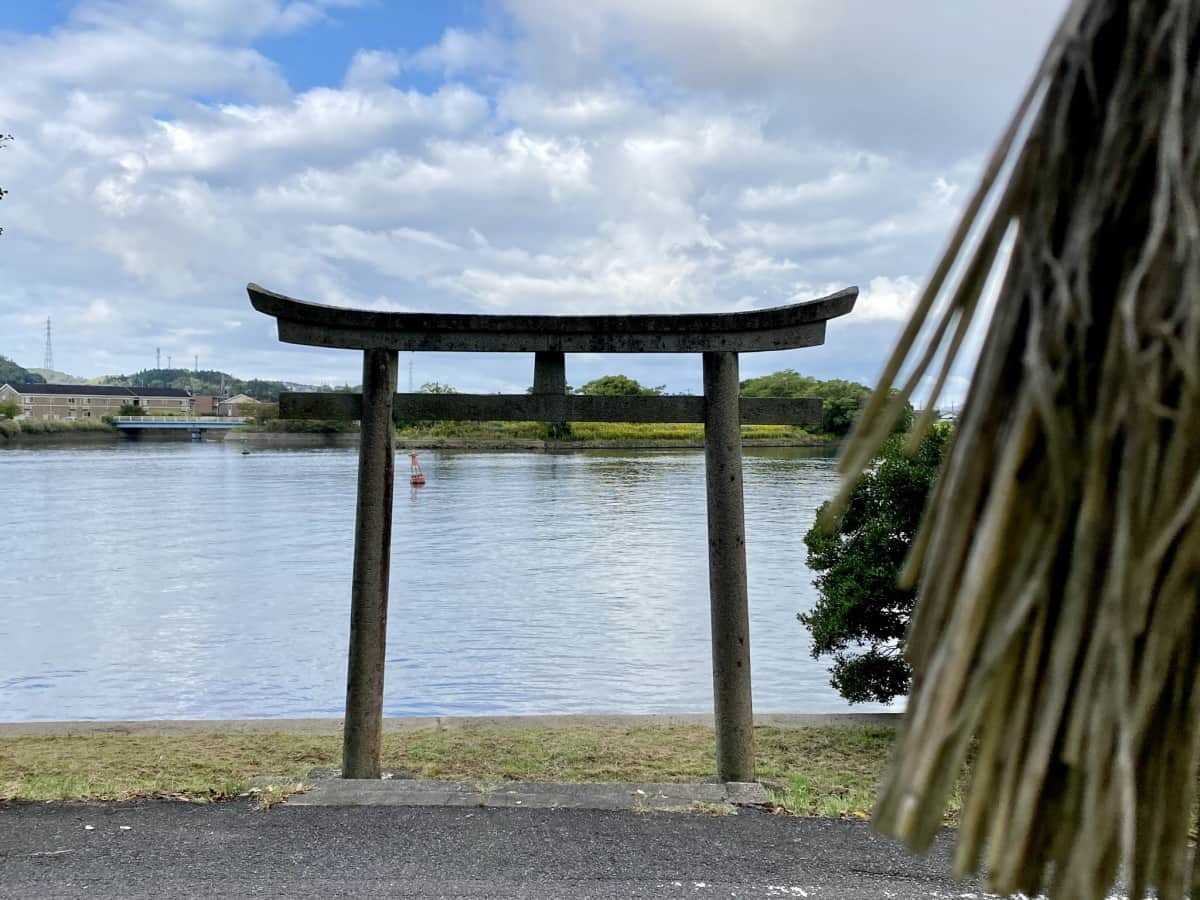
(97, 311)
(209, 19)
(585, 111)
(728, 40)
(848, 177)
(130, 66)
(315, 125)
(371, 69)
(931, 74)
(887, 299)
(503, 181)
(460, 51)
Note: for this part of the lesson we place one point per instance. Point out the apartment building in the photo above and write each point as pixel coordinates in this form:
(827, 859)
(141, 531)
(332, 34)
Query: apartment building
(91, 401)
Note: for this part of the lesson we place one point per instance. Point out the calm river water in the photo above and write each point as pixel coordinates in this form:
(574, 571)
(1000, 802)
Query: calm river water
(178, 580)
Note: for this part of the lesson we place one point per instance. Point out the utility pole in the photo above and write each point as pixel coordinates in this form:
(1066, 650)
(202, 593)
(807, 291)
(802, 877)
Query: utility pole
(48, 359)
(411, 357)
(158, 358)
(168, 360)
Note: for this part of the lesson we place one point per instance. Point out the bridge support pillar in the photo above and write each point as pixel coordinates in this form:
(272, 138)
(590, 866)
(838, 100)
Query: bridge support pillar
(361, 743)
(732, 702)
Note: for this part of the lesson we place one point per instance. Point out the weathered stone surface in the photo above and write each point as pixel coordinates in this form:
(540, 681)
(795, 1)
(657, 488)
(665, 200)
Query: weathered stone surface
(674, 797)
(733, 707)
(372, 569)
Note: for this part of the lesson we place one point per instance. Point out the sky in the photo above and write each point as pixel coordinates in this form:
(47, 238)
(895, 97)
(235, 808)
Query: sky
(490, 156)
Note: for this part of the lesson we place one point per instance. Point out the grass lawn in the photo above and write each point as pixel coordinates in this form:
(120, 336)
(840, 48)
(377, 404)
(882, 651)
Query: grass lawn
(825, 771)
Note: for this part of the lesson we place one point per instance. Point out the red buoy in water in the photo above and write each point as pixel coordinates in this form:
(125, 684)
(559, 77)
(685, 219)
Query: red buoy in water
(417, 477)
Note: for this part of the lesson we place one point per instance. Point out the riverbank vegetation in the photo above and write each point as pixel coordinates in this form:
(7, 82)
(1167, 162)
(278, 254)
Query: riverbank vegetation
(825, 771)
(13, 428)
(300, 426)
(840, 399)
(599, 433)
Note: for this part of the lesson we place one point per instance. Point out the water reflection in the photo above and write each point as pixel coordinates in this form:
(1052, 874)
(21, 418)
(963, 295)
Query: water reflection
(180, 580)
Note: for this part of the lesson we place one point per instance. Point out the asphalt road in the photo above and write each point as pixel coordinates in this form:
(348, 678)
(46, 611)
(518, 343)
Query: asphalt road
(160, 849)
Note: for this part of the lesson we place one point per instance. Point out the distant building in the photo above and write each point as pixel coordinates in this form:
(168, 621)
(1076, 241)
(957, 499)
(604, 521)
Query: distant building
(91, 401)
(233, 406)
(205, 405)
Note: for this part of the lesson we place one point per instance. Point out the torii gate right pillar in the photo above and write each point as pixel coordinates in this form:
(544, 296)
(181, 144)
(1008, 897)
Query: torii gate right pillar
(729, 604)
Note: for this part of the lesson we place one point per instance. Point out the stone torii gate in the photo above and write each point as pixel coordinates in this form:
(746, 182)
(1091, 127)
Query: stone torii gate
(719, 338)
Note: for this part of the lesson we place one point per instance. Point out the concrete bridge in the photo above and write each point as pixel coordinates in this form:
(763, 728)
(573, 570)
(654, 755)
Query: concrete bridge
(133, 425)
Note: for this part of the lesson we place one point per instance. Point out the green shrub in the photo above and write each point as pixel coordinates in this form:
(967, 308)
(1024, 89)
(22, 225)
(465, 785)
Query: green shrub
(861, 616)
(619, 386)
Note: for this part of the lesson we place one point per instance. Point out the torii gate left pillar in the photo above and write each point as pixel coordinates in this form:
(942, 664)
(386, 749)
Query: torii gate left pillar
(729, 603)
(718, 338)
(363, 730)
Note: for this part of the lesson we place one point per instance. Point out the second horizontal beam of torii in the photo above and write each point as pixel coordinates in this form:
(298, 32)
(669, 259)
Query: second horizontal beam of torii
(547, 408)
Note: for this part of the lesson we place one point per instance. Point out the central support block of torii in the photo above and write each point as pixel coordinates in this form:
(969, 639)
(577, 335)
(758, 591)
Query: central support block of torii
(719, 338)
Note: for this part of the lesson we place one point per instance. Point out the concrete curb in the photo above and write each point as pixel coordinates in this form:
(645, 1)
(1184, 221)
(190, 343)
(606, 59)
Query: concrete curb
(710, 798)
(425, 723)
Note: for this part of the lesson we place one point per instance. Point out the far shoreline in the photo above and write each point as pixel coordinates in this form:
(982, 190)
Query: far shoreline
(397, 724)
(283, 439)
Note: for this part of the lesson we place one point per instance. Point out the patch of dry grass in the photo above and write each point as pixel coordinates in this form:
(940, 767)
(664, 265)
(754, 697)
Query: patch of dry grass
(814, 771)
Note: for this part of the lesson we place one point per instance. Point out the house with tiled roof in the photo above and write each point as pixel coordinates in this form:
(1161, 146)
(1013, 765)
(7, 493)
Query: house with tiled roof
(237, 405)
(91, 401)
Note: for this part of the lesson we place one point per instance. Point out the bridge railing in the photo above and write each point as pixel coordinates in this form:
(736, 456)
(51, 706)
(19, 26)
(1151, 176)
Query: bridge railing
(181, 420)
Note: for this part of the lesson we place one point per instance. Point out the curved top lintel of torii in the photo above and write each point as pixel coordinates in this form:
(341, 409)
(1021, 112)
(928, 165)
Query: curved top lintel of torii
(777, 328)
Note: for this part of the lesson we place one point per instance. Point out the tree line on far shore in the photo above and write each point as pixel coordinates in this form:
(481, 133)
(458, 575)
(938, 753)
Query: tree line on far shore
(841, 398)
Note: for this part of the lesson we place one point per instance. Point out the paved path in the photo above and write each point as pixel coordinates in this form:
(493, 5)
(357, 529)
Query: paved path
(159, 849)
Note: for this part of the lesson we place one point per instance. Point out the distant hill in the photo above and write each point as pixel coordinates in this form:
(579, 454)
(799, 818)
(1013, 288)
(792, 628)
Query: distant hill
(11, 372)
(53, 376)
(208, 381)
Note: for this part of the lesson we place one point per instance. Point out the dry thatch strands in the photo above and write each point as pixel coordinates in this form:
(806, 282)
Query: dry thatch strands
(1058, 625)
